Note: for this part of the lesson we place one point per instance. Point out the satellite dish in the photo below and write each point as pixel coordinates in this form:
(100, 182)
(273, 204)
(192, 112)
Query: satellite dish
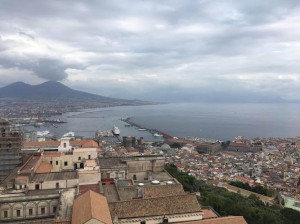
(155, 182)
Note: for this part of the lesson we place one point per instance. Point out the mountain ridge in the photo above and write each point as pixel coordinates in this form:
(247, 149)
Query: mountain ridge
(51, 90)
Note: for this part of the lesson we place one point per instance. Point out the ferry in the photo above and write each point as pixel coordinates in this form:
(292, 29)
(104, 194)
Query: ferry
(116, 130)
(42, 133)
(157, 135)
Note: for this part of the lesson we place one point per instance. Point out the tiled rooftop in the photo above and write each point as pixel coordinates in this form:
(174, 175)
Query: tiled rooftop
(90, 205)
(221, 220)
(87, 187)
(44, 168)
(111, 163)
(178, 204)
(29, 164)
(153, 191)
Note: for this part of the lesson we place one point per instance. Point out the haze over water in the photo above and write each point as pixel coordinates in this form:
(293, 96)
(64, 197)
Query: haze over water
(203, 120)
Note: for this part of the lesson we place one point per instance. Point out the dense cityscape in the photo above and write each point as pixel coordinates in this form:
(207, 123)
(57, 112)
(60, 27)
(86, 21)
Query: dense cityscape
(43, 177)
(149, 112)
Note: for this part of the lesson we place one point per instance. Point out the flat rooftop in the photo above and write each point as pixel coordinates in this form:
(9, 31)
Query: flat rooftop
(161, 176)
(55, 176)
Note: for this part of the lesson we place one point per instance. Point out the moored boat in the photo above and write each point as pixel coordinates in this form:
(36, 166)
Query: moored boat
(116, 130)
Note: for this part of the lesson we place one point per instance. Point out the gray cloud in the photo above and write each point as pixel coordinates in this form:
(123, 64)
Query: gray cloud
(140, 48)
(50, 69)
(45, 68)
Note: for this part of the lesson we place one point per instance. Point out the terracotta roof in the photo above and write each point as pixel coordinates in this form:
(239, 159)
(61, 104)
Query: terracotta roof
(208, 214)
(150, 191)
(44, 168)
(90, 205)
(178, 204)
(81, 143)
(221, 220)
(87, 187)
(31, 163)
(85, 143)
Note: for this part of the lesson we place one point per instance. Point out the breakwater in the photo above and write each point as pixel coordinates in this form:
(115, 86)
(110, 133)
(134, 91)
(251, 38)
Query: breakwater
(152, 131)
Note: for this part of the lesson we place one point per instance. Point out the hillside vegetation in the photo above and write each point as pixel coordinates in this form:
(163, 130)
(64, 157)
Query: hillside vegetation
(228, 203)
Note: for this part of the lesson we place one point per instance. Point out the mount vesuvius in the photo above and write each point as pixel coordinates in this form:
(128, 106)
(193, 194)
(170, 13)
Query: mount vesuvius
(52, 90)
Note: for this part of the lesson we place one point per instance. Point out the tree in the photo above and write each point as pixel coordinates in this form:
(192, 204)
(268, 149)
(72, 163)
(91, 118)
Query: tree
(291, 216)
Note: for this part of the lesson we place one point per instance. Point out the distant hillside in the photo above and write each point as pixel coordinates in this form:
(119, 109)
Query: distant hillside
(52, 91)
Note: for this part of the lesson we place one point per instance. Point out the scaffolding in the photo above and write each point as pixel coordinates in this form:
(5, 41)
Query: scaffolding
(10, 148)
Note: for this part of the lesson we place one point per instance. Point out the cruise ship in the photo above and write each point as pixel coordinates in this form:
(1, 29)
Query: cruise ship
(116, 130)
(70, 134)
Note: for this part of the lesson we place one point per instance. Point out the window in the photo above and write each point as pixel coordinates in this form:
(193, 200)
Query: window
(66, 163)
(5, 214)
(18, 213)
(37, 186)
(143, 222)
(134, 177)
(54, 209)
(89, 156)
(56, 162)
(65, 145)
(79, 158)
(30, 211)
(57, 185)
(165, 220)
(43, 210)
(51, 162)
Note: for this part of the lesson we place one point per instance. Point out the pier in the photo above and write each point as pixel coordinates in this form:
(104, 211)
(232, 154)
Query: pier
(152, 131)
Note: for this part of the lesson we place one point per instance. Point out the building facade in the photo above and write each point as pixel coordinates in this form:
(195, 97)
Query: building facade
(10, 147)
(28, 207)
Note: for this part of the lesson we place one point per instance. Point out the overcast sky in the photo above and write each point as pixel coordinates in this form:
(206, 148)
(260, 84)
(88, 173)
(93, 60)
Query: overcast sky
(159, 50)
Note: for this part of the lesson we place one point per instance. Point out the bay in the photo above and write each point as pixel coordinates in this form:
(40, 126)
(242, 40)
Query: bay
(202, 120)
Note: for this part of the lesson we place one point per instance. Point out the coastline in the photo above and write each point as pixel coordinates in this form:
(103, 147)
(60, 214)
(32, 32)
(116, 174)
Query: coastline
(189, 121)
